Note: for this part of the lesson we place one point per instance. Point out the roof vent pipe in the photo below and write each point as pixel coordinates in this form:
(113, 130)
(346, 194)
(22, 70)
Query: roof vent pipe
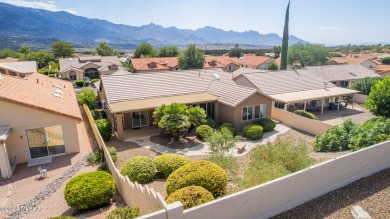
(37, 80)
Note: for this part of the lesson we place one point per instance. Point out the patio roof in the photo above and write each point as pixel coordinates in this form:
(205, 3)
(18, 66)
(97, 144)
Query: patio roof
(309, 95)
(4, 132)
(134, 105)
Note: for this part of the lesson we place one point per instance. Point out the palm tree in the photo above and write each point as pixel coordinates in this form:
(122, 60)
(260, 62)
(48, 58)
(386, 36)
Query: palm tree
(196, 117)
(24, 50)
(283, 64)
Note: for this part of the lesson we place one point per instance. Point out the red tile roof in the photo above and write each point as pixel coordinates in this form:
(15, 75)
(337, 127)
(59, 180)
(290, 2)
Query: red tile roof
(356, 59)
(37, 91)
(150, 64)
(219, 61)
(382, 69)
(253, 61)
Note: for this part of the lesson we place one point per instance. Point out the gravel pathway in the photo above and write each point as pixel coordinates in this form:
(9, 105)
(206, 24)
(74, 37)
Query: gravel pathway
(372, 193)
(33, 204)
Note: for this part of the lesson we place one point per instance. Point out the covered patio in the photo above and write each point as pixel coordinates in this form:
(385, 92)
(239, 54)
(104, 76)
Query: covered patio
(6, 169)
(315, 100)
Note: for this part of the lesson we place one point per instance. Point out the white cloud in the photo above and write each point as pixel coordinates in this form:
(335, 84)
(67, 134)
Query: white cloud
(48, 5)
(329, 28)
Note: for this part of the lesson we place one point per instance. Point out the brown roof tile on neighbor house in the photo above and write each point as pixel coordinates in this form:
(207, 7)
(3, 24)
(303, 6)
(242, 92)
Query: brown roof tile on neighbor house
(342, 72)
(8, 59)
(78, 62)
(253, 61)
(382, 69)
(356, 59)
(154, 64)
(41, 92)
(219, 61)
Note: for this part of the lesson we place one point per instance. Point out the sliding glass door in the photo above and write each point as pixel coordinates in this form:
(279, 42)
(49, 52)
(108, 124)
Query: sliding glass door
(139, 119)
(45, 141)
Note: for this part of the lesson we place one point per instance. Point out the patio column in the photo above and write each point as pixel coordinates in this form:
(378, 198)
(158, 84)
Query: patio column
(304, 106)
(353, 100)
(285, 106)
(119, 126)
(322, 107)
(338, 106)
(5, 165)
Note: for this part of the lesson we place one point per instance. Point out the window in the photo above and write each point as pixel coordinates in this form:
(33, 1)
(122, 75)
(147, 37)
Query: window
(209, 109)
(253, 112)
(344, 84)
(230, 68)
(45, 141)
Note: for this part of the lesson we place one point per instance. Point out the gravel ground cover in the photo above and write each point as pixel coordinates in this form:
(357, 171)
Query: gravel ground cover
(372, 193)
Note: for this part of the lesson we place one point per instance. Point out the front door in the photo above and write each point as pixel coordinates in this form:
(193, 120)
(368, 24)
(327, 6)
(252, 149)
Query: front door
(45, 141)
(139, 119)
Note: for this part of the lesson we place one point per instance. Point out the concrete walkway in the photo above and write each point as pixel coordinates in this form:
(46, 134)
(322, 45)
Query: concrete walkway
(203, 149)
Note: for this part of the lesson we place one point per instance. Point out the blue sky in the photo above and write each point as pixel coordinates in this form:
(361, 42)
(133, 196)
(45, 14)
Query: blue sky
(317, 21)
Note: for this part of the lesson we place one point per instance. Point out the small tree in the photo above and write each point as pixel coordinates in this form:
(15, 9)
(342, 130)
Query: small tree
(283, 64)
(378, 102)
(42, 58)
(365, 85)
(174, 118)
(103, 49)
(191, 58)
(62, 49)
(168, 51)
(386, 60)
(87, 97)
(197, 116)
(236, 51)
(25, 50)
(308, 54)
(272, 66)
(277, 50)
(221, 142)
(144, 49)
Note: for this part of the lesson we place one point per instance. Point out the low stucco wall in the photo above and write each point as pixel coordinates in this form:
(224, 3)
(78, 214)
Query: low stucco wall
(360, 98)
(21, 118)
(134, 194)
(311, 126)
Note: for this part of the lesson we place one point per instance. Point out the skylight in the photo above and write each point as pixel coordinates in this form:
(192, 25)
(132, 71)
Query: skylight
(57, 95)
(59, 91)
(217, 76)
(351, 73)
(58, 86)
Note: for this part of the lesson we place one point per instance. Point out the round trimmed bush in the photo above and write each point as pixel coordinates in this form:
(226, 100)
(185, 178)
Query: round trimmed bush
(229, 126)
(139, 169)
(211, 123)
(204, 131)
(199, 173)
(124, 213)
(306, 114)
(79, 83)
(191, 196)
(89, 190)
(253, 131)
(167, 163)
(267, 124)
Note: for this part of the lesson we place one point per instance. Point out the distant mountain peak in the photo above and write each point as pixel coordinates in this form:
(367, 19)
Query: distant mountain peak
(38, 28)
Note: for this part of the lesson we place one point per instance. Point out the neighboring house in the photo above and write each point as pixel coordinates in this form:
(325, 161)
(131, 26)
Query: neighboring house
(9, 59)
(38, 119)
(225, 63)
(20, 69)
(155, 64)
(367, 60)
(342, 75)
(88, 66)
(253, 61)
(382, 70)
(131, 99)
(294, 89)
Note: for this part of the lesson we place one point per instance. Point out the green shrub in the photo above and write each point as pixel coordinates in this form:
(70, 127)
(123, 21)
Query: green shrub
(267, 124)
(139, 169)
(62, 217)
(190, 196)
(306, 114)
(365, 85)
(52, 75)
(87, 97)
(371, 132)
(228, 163)
(79, 83)
(89, 190)
(124, 213)
(204, 131)
(95, 80)
(167, 163)
(211, 123)
(199, 173)
(104, 127)
(97, 157)
(95, 114)
(337, 138)
(253, 132)
(221, 142)
(386, 60)
(229, 126)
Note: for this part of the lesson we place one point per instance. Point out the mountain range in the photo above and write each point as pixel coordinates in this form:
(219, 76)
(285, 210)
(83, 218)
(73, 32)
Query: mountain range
(39, 28)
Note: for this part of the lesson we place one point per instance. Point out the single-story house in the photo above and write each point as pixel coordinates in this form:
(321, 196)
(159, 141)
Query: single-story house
(382, 70)
(342, 75)
(38, 120)
(294, 89)
(131, 99)
(225, 63)
(20, 69)
(155, 64)
(88, 66)
(253, 61)
(367, 60)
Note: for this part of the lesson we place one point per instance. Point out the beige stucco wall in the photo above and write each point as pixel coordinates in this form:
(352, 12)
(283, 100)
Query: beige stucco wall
(360, 98)
(20, 118)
